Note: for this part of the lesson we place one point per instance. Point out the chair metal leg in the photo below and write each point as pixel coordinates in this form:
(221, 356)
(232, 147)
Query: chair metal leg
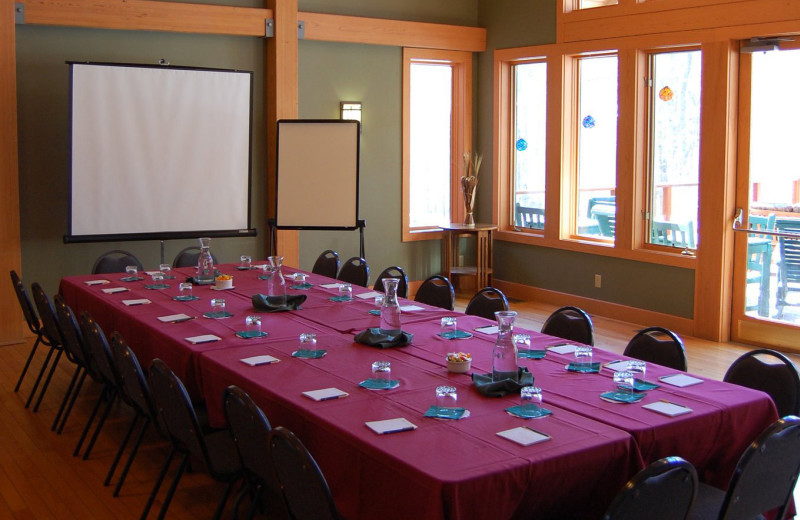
(72, 402)
(71, 388)
(47, 381)
(157, 484)
(28, 362)
(173, 487)
(39, 377)
(106, 412)
(121, 449)
(131, 456)
(224, 500)
(89, 422)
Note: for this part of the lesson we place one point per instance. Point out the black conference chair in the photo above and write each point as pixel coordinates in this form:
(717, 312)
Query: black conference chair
(570, 323)
(115, 262)
(355, 271)
(75, 350)
(486, 302)
(658, 345)
(250, 431)
(51, 331)
(34, 325)
(393, 272)
(216, 449)
(757, 369)
(665, 490)
(133, 384)
(303, 485)
(763, 480)
(327, 264)
(437, 291)
(187, 257)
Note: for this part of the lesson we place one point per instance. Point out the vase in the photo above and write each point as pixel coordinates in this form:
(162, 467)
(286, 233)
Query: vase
(390, 309)
(468, 186)
(504, 353)
(276, 284)
(205, 263)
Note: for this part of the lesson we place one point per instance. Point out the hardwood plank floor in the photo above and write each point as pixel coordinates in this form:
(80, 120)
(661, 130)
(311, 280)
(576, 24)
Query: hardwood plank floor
(41, 480)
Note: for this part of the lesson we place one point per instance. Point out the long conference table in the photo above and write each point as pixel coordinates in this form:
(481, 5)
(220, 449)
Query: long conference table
(443, 469)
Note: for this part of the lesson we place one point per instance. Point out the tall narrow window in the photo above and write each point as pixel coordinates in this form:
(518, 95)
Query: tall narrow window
(436, 134)
(674, 148)
(595, 201)
(529, 153)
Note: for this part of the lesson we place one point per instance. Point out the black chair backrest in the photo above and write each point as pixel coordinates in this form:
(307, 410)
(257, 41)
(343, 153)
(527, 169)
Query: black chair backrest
(570, 323)
(393, 272)
(486, 302)
(70, 333)
(665, 490)
(766, 474)
(187, 257)
(47, 314)
(355, 271)
(327, 264)
(98, 350)
(780, 380)
(175, 409)
(132, 378)
(25, 304)
(115, 262)
(250, 430)
(437, 291)
(304, 487)
(658, 345)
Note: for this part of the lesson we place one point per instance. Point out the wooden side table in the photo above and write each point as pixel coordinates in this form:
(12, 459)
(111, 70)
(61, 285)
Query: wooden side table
(482, 269)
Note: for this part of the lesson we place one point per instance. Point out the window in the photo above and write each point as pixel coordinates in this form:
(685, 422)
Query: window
(594, 204)
(529, 152)
(437, 106)
(674, 148)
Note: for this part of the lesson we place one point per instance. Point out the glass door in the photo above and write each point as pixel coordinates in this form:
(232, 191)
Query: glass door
(766, 304)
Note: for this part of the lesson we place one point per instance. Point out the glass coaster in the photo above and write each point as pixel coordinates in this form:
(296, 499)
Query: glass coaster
(186, 298)
(301, 286)
(456, 334)
(528, 412)
(621, 397)
(157, 286)
(309, 354)
(640, 386)
(531, 354)
(445, 412)
(131, 279)
(379, 384)
(217, 315)
(340, 299)
(375, 312)
(590, 369)
(248, 334)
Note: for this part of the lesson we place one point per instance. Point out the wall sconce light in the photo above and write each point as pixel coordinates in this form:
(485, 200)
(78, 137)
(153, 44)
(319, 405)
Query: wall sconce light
(350, 110)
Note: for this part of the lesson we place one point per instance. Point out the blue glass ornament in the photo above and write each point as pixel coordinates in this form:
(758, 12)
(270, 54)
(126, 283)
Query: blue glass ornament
(522, 145)
(588, 122)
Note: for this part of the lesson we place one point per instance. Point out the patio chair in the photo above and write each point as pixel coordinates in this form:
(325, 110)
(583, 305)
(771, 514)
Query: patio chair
(526, 217)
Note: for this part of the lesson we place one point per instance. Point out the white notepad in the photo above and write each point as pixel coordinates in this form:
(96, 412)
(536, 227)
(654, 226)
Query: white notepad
(96, 282)
(488, 329)
(205, 338)
(667, 408)
(112, 290)
(259, 360)
(562, 348)
(331, 285)
(524, 436)
(409, 308)
(680, 380)
(616, 366)
(325, 394)
(172, 318)
(140, 301)
(367, 295)
(391, 425)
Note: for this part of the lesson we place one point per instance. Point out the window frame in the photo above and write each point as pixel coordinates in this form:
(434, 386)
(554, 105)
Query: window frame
(461, 134)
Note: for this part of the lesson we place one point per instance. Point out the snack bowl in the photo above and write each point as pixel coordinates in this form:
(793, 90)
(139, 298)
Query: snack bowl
(459, 362)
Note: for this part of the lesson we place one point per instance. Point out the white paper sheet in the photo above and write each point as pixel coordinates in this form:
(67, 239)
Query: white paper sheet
(112, 290)
(205, 338)
(680, 380)
(139, 301)
(391, 425)
(562, 348)
(667, 408)
(260, 360)
(524, 436)
(325, 394)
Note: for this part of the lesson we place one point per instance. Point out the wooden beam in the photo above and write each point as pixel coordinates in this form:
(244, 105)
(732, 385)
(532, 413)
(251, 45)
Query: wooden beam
(377, 31)
(147, 15)
(10, 245)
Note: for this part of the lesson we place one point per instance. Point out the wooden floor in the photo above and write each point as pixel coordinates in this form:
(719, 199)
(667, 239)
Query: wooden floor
(40, 479)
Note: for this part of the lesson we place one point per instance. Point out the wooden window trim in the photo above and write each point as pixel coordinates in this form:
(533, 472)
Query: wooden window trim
(461, 62)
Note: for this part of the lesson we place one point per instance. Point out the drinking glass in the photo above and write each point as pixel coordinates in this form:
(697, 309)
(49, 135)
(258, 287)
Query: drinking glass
(132, 271)
(379, 298)
(299, 278)
(308, 341)
(583, 356)
(186, 290)
(382, 371)
(637, 368)
(623, 381)
(165, 270)
(449, 326)
(523, 341)
(252, 324)
(246, 261)
(446, 397)
(158, 278)
(530, 398)
(346, 291)
(217, 305)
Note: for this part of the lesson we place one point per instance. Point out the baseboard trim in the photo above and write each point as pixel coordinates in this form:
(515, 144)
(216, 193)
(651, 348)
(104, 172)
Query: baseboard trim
(602, 308)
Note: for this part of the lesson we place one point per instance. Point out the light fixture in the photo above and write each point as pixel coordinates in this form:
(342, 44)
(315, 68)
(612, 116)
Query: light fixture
(350, 110)
(762, 44)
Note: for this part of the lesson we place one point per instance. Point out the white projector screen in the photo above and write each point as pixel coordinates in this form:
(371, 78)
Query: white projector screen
(317, 174)
(159, 152)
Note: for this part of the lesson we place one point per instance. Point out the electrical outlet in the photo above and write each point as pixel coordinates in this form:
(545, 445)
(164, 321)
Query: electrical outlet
(598, 281)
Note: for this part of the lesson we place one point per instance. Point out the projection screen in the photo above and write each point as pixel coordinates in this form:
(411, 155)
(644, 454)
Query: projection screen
(159, 152)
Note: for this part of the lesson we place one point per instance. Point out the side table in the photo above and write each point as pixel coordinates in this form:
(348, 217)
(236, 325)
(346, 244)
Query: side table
(482, 268)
